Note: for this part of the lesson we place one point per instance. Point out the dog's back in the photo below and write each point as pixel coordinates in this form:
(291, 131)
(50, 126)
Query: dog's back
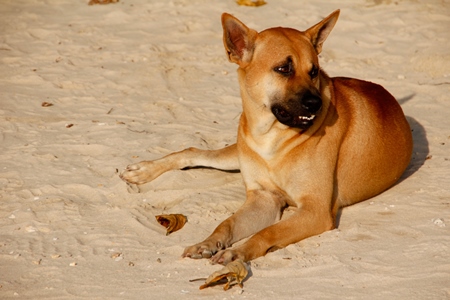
(377, 144)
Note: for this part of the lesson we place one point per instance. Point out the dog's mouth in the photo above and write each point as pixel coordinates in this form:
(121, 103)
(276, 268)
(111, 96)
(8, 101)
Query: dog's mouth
(305, 118)
(303, 121)
(306, 122)
(299, 111)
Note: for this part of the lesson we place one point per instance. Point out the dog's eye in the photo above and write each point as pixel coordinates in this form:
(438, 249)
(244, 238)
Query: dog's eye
(286, 69)
(314, 72)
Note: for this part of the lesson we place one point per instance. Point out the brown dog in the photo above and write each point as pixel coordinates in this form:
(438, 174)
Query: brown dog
(305, 140)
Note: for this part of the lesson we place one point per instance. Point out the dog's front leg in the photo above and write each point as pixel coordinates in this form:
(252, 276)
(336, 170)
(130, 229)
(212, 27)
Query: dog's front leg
(306, 222)
(145, 171)
(261, 209)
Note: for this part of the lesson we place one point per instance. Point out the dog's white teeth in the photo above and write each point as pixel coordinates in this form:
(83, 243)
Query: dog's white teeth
(307, 118)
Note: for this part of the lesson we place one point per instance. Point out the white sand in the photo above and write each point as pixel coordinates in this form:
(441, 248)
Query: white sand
(139, 79)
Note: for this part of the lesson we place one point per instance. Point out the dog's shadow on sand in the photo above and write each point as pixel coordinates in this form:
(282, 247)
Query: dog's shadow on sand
(420, 148)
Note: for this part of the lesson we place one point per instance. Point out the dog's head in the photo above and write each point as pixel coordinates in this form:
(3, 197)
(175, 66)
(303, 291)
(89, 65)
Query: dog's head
(279, 67)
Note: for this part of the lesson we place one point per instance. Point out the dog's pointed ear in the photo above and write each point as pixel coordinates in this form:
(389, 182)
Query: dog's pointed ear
(238, 39)
(319, 32)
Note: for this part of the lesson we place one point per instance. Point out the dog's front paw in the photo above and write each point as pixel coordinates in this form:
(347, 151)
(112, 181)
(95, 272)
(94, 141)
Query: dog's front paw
(224, 257)
(140, 173)
(204, 249)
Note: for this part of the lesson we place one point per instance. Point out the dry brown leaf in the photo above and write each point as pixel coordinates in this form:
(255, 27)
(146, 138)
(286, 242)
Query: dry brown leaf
(235, 271)
(251, 3)
(46, 104)
(172, 222)
(92, 2)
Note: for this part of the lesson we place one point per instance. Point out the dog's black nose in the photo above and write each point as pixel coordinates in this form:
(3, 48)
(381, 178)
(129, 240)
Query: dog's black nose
(311, 103)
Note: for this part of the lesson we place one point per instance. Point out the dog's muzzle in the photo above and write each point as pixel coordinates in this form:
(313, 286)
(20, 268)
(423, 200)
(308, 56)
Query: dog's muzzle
(300, 112)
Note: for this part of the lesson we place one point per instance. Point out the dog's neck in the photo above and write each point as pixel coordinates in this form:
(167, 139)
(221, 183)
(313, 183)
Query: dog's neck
(260, 130)
(257, 118)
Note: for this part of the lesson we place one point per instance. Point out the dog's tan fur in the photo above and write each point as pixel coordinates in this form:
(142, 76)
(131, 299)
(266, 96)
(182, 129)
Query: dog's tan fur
(357, 145)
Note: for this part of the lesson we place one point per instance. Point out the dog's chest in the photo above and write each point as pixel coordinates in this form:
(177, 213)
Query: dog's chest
(286, 164)
(266, 148)
(268, 160)
(271, 146)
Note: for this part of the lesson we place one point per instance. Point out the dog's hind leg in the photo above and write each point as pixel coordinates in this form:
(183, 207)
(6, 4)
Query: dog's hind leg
(145, 171)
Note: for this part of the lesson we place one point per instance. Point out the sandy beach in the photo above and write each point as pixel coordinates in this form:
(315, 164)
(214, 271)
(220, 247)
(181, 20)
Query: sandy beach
(86, 90)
